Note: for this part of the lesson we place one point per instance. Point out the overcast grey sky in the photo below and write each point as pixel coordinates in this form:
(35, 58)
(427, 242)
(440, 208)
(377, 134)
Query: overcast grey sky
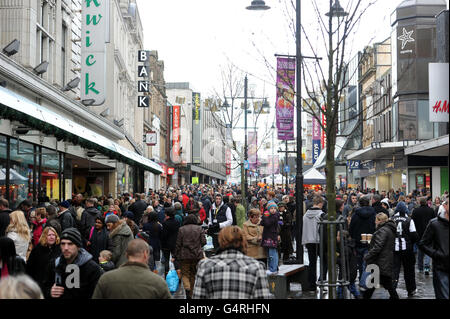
(198, 38)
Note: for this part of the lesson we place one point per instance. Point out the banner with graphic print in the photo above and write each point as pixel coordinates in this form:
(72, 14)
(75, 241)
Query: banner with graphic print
(176, 133)
(316, 139)
(285, 98)
(253, 150)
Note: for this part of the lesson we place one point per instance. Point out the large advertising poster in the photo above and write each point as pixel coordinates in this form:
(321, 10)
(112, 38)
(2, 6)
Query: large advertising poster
(285, 98)
(176, 133)
(252, 150)
(196, 129)
(438, 88)
(316, 140)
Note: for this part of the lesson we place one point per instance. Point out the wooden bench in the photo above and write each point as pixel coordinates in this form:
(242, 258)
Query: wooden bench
(279, 283)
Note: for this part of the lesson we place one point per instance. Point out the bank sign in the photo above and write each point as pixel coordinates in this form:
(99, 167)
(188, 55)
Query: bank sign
(95, 35)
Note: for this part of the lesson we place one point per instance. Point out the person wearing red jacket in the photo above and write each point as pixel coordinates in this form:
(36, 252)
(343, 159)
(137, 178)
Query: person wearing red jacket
(39, 223)
(201, 212)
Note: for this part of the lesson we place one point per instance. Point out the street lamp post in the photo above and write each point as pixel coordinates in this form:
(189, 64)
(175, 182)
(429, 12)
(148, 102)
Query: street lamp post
(273, 157)
(260, 5)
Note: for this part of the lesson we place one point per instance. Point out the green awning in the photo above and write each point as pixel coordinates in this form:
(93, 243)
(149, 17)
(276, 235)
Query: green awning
(17, 108)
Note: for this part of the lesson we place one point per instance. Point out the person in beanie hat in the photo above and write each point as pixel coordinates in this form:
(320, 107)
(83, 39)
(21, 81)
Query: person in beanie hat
(270, 236)
(70, 284)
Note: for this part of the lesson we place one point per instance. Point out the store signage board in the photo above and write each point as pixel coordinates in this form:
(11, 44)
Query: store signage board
(95, 35)
(438, 92)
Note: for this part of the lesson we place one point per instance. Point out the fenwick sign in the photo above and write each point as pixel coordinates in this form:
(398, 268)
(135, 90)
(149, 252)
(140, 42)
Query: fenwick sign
(95, 35)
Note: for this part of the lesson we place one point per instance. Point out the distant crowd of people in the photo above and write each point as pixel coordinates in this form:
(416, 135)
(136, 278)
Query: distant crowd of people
(118, 244)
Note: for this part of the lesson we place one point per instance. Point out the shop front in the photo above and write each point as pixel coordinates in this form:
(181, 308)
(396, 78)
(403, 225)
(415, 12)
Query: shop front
(45, 156)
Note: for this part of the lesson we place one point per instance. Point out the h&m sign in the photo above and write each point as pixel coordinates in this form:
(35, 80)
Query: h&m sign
(95, 35)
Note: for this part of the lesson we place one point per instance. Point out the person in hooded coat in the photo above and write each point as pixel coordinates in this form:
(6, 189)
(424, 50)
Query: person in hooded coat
(120, 235)
(381, 254)
(362, 222)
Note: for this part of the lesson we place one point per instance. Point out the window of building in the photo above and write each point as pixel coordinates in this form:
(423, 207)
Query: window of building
(63, 54)
(21, 172)
(423, 122)
(50, 178)
(3, 163)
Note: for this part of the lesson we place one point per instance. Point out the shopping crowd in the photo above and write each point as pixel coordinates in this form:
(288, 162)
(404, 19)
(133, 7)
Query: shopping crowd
(117, 245)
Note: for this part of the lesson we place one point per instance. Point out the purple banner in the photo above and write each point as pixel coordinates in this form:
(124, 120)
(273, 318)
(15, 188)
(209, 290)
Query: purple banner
(252, 150)
(316, 140)
(273, 160)
(285, 98)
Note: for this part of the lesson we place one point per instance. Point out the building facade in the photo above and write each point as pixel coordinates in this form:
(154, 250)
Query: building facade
(51, 144)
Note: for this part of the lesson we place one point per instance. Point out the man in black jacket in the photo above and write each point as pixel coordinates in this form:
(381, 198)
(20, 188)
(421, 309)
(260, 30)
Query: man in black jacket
(434, 243)
(405, 238)
(65, 217)
(4, 216)
(362, 222)
(219, 217)
(76, 273)
(90, 214)
(421, 217)
(376, 204)
(138, 208)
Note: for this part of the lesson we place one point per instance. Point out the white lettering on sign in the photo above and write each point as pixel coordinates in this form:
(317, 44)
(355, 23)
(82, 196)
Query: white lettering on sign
(143, 56)
(95, 35)
(438, 92)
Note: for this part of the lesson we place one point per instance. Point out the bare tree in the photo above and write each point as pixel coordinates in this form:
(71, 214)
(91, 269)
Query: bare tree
(227, 106)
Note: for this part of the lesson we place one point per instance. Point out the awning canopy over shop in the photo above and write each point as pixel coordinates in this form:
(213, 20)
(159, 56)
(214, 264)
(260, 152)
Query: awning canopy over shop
(314, 177)
(434, 147)
(378, 151)
(17, 108)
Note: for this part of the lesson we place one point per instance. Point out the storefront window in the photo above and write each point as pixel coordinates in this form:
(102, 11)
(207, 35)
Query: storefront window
(423, 119)
(50, 183)
(21, 172)
(121, 178)
(419, 179)
(3, 159)
(407, 117)
(130, 179)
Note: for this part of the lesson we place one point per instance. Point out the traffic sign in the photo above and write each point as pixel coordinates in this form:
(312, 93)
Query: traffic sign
(287, 169)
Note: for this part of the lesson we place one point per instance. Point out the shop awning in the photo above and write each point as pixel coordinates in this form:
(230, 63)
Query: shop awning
(314, 177)
(434, 147)
(16, 107)
(379, 151)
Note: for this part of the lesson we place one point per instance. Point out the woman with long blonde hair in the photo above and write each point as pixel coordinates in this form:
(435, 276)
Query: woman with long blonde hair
(42, 258)
(19, 232)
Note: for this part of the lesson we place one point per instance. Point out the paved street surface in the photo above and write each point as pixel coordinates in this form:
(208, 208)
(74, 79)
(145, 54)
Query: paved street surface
(424, 287)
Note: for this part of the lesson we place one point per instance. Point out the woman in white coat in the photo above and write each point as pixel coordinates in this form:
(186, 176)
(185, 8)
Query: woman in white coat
(19, 232)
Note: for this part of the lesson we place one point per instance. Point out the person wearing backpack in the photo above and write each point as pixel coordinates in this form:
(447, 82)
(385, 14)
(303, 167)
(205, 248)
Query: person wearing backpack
(405, 237)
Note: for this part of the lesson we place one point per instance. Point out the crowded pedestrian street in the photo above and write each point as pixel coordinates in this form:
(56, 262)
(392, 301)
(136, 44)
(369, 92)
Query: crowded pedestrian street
(224, 158)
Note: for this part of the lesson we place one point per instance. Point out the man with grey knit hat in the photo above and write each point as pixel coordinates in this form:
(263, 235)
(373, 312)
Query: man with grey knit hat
(76, 273)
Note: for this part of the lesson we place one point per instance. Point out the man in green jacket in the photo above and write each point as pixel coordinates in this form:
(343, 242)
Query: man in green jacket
(133, 280)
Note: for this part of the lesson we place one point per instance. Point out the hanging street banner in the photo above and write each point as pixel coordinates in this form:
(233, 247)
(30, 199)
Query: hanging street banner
(316, 140)
(176, 121)
(285, 98)
(94, 36)
(196, 129)
(252, 150)
(438, 91)
(273, 160)
(324, 124)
